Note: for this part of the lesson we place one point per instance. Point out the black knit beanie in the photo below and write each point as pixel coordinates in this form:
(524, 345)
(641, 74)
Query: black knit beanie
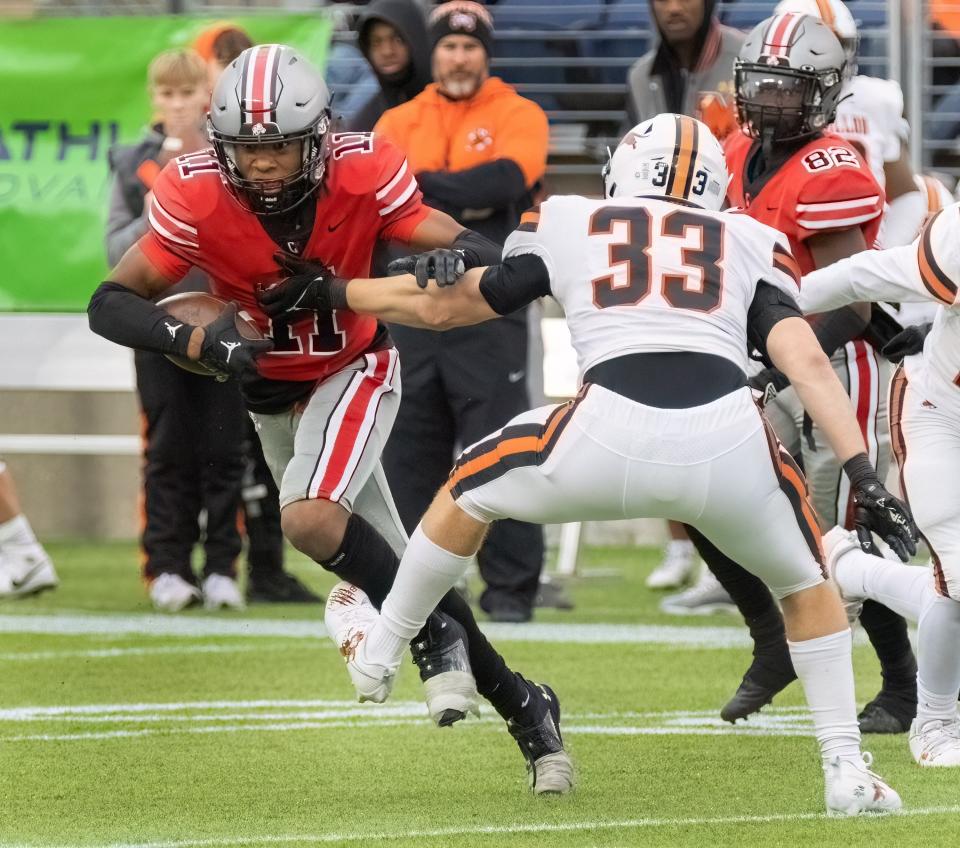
(461, 17)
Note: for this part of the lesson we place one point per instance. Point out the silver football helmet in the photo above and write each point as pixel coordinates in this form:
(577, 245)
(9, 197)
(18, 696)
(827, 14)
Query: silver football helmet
(836, 16)
(271, 95)
(788, 78)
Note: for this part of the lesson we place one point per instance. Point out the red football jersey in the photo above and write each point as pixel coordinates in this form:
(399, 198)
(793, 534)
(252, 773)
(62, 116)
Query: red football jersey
(369, 193)
(824, 186)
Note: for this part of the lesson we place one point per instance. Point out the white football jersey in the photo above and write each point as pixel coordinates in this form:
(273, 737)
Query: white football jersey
(870, 116)
(645, 275)
(928, 270)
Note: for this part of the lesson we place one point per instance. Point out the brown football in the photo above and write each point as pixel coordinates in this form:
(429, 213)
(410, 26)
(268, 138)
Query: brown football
(199, 309)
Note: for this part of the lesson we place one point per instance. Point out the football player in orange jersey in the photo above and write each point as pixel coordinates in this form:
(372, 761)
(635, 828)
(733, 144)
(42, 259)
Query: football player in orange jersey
(279, 196)
(787, 172)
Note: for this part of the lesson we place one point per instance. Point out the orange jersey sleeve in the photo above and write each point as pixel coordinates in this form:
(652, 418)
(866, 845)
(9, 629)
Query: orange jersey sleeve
(524, 137)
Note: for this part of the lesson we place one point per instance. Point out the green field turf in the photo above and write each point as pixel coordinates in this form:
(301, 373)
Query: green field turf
(122, 728)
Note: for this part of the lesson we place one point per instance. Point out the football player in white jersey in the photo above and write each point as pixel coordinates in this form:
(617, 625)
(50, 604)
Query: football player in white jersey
(925, 429)
(870, 116)
(661, 293)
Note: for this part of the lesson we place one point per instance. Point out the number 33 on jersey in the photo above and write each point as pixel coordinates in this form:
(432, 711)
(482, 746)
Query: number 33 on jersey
(677, 278)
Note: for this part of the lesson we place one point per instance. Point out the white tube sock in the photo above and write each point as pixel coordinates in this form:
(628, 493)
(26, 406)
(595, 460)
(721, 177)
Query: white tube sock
(938, 660)
(427, 572)
(825, 668)
(17, 531)
(903, 588)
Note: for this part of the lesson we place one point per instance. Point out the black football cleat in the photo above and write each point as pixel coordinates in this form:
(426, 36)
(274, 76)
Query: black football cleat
(889, 712)
(757, 689)
(549, 767)
(440, 654)
(279, 587)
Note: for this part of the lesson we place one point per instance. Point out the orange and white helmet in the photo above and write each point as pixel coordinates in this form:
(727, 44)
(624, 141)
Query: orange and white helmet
(671, 156)
(836, 16)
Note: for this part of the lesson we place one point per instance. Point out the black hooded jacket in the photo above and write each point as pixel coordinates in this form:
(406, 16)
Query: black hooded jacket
(405, 16)
(666, 64)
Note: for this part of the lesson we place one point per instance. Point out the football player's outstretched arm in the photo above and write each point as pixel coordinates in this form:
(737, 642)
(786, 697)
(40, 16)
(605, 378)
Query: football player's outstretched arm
(479, 295)
(794, 349)
(400, 300)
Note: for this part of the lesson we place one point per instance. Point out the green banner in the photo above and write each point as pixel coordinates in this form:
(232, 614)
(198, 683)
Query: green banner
(69, 88)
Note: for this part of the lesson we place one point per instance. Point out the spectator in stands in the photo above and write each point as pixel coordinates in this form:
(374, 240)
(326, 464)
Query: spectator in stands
(218, 46)
(478, 150)
(392, 35)
(25, 567)
(690, 72)
(348, 75)
(194, 427)
(693, 61)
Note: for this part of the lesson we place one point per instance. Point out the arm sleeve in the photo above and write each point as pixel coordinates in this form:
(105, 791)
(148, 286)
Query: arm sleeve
(837, 198)
(492, 185)
(123, 316)
(124, 228)
(398, 198)
(770, 305)
(928, 269)
(172, 242)
(514, 283)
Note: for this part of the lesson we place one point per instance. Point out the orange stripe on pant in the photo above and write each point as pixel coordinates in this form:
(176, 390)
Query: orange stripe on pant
(508, 447)
(898, 392)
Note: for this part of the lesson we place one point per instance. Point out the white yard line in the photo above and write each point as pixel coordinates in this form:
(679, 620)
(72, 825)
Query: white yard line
(475, 830)
(190, 626)
(111, 653)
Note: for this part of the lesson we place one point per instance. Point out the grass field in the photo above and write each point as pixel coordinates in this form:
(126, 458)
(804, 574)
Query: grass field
(119, 727)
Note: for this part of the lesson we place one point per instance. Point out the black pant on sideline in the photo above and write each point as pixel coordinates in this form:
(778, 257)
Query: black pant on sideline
(458, 387)
(193, 431)
(261, 507)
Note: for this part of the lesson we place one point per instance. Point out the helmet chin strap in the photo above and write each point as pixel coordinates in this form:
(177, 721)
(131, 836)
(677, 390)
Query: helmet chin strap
(766, 143)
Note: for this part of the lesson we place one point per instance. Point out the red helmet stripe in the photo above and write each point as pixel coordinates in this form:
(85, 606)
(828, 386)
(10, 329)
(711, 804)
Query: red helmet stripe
(260, 79)
(779, 35)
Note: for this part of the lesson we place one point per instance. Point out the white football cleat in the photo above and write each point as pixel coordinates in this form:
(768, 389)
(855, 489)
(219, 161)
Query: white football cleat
(171, 593)
(676, 568)
(221, 590)
(348, 617)
(705, 597)
(852, 789)
(935, 742)
(25, 570)
(836, 543)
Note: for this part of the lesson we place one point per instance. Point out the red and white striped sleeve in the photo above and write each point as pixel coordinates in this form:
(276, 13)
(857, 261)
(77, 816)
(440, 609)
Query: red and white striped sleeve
(838, 199)
(398, 197)
(172, 242)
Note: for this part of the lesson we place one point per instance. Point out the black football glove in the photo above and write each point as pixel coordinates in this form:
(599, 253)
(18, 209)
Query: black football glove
(227, 353)
(310, 287)
(768, 383)
(878, 511)
(907, 342)
(442, 264)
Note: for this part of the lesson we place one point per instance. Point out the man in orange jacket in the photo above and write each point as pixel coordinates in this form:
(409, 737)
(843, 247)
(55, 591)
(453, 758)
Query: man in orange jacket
(478, 150)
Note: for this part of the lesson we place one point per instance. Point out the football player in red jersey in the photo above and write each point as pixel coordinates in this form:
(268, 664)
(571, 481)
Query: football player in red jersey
(278, 197)
(815, 188)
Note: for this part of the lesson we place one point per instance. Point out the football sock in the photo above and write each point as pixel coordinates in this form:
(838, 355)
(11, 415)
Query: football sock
(771, 665)
(427, 572)
(938, 679)
(888, 635)
(825, 668)
(17, 531)
(901, 588)
(365, 559)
